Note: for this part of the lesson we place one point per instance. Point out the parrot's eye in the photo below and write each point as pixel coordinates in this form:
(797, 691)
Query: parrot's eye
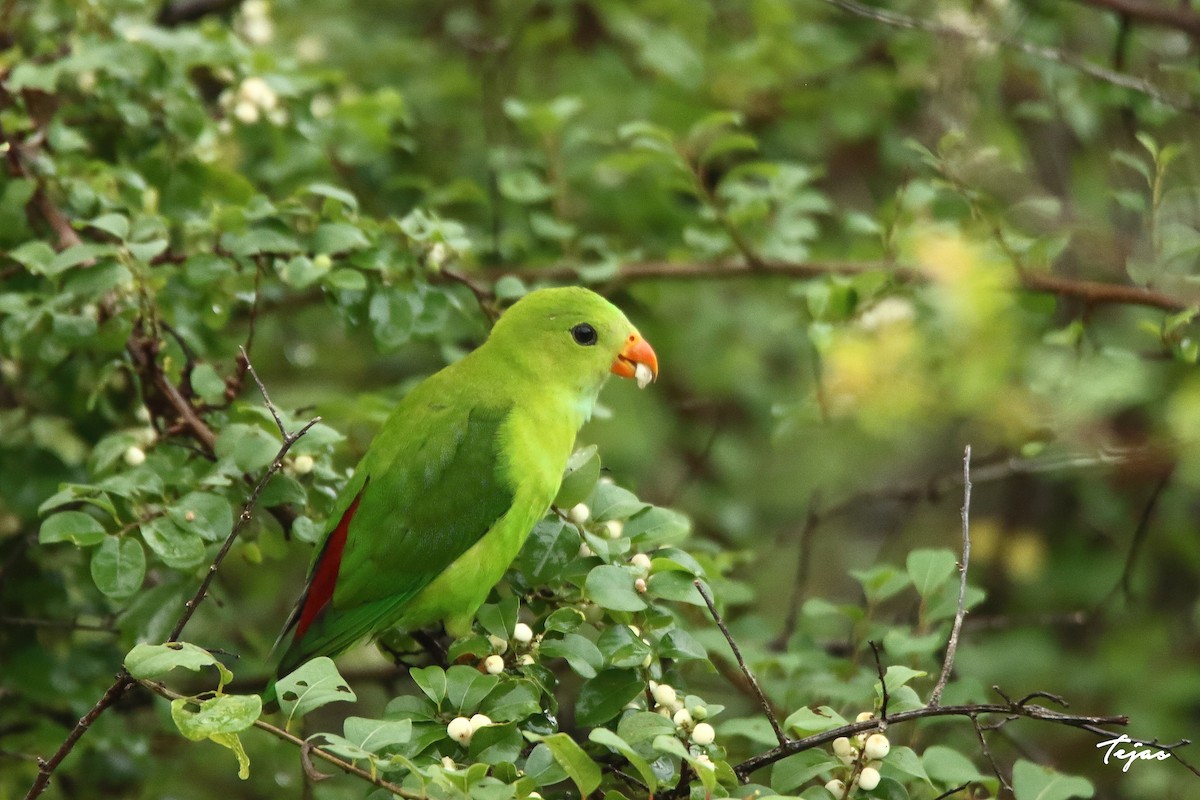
(584, 334)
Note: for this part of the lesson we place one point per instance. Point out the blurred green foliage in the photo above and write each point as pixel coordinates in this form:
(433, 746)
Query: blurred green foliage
(856, 246)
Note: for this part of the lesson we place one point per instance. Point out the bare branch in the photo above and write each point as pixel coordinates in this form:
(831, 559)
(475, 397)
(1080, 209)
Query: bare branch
(1092, 70)
(935, 697)
(123, 680)
(762, 698)
(1179, 17)
(882, 680)
(793, 746)
(987, 751)
(307, 749)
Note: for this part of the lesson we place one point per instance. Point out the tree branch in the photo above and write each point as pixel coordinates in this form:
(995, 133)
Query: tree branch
(935, 696)
(123, 680)
(762, 698)
(1179, 17)
(1092, 70)
(1015, 710)
(311, 750)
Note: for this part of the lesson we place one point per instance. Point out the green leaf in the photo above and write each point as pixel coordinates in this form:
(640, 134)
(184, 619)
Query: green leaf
(948, 767)
(466, 687)
(542, 766)
(657, 527)
(208, 515)
(643, 726)
(612, 587)
(118, 566)
(905, 760)
(372, 735)
(605, 737)
(82, 530)
(584, 772)
(249, 447)
(177, 547)
(610, 501)
(881, 581)
(896, 676)
(677, 586)
(225, 713)
(1034, 782)
(795, 771)
(339, 237)
(208, 384)
(603, 697)
(316, 683)
(499, 619)
(583, 656)
(929, 569)
(346, 280)
(496, 744)
(334, 193)
(156, 660)
(548, 550)
(231, 741)
(432, 681)
(391, 314)
(116, 225)
(512, 701)
(805, 722)
(583, 470)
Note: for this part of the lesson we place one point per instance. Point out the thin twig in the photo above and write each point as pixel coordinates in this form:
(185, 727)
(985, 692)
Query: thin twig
(280, 733)
(123, 680)
(987, 751)
(952, 792)
(803, 565)
(1179, 17)
(1092, 70)
(882, 680)
(65, 624)
(762, 698)
(793, 746)
(935, 697)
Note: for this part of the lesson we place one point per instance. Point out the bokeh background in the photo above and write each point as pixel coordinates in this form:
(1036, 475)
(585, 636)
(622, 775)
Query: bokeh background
(859, 237)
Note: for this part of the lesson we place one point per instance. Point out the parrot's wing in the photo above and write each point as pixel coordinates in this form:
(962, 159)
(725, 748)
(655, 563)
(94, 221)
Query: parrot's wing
(435, 483)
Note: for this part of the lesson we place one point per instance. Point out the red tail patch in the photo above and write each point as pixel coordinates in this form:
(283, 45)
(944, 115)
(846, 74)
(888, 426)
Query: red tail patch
(324, 579)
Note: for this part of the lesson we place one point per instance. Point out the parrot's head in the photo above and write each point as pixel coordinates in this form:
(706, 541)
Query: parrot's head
(575, 336)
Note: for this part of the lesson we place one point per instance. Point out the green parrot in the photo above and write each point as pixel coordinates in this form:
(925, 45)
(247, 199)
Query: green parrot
(460, 473)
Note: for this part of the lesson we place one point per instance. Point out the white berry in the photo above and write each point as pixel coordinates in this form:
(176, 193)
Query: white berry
(522, 633)
(703, 734)
(135, 456)
(579, 513)
(868, 779)
(448, 763)
(877, 746)
(699, 712)
(460, 730)
(663, 694)
(835, 788)
(526, 660)
(480, 721)
(614, 528)
(303, 464)
(640, 585)
(841, 746)
(864, 716)
(641, 561)
(682, 718)
(493, 664)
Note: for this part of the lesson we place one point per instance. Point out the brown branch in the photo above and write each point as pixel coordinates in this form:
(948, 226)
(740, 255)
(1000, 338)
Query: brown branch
(883, 717)
(1091, 293)
(124, 680)
(935, 696)
(1162, 15)
(1041, 52)
(59, 223)
(174, 14)
(737, 653)
(1015, 710)
(307, 748)
(987, 751)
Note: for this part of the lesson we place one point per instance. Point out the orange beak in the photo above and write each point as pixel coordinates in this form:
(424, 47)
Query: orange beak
(636, 360)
